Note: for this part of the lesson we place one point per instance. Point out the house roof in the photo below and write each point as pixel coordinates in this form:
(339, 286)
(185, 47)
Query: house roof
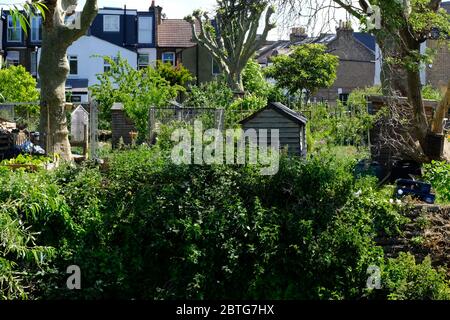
(175, 33)
(281, 109)
(366, 39)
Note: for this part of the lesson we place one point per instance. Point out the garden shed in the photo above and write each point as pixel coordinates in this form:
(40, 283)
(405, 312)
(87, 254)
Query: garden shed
(291, 126)
(78, 124)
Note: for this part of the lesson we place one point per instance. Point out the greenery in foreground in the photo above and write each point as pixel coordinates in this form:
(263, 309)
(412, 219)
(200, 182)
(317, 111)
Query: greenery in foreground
(145, 228)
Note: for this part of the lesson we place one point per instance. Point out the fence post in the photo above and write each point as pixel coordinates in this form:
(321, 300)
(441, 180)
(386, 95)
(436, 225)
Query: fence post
(93, 132)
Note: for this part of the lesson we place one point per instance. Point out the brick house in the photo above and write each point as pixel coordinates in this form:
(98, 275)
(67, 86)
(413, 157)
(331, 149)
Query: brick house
(437, 74)
(356, 52)
(175, 45)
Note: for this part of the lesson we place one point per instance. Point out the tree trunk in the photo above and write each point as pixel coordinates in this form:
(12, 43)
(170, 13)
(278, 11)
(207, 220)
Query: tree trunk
(53, 71)
(234, 80)
(54, 68)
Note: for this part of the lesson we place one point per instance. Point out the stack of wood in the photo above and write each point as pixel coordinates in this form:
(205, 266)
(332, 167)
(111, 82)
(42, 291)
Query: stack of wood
(7, 125)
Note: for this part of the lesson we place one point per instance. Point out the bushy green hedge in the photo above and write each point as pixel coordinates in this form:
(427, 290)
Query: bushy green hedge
(144, 228)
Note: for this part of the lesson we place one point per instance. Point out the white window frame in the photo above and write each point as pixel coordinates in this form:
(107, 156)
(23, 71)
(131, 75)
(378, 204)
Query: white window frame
(10, 21)
(70, 58)
(34, 20)
(145, 30)
(13, 62)
(173, 61)
(143, 65)
(111, 27)
(106, 64)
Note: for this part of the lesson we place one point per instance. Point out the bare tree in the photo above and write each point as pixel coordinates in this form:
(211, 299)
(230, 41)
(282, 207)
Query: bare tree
(233, 40)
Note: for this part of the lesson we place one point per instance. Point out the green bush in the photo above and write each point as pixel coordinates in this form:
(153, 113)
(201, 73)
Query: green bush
(145, 228)
(438, 174)
(407, 280)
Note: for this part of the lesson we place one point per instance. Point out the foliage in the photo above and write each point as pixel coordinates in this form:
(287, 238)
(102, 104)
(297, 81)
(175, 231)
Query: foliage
(244, 107)
(214, 94)
(18, 85)
(27, 160)
(358, 97)
(407, 280)
(254, 80)
(142, 227)
(308, 68)
(138, 90)
(428, 92)
(177, 75)
(23, 12)
(338, 125)
(438, 174)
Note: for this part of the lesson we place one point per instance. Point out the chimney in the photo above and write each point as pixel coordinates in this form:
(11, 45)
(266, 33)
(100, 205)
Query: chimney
(298, 34)
(344, 30)
(158, 12)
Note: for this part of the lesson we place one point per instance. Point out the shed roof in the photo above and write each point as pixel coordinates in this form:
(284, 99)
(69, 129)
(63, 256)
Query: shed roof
(281, 109)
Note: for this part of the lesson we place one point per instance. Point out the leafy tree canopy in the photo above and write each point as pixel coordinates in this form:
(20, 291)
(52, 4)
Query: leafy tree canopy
(308, 68)
(17, 85)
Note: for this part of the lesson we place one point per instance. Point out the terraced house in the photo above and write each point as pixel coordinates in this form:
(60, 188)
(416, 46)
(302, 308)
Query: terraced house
(141, 37)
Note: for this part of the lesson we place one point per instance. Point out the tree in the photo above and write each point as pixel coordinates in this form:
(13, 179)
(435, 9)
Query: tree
(177, 75)
(308, 68)
(138, 90)
(54, 68)
(254, 80)
(17, 85)
(232, 38)
(403, 27)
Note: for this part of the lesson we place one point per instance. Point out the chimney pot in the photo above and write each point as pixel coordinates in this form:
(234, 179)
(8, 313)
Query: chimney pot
(298, 34)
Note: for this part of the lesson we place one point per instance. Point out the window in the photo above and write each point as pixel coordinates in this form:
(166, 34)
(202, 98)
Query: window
(343, 97)
(14, 30)
(215, 67)
(143, 60)
(145, 29)
(36, 29)
(111, 23)
(13, 58)
(73, 63)
(168, 57)
(107, 64)
(33, 63)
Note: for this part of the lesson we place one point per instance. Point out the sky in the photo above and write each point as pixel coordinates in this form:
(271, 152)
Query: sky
(178, 9)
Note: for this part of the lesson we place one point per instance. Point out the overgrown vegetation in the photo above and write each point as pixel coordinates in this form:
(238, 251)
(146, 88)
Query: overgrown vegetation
(138, 90)
(145, 228)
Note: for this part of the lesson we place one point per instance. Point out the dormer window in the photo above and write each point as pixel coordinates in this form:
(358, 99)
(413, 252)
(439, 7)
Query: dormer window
(111, 23)
(145, 30)
(14, 30)
(36, 28)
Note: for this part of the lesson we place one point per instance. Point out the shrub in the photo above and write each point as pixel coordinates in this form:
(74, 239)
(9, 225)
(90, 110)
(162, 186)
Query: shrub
(407, 280)
(214, 94)
(438, 174)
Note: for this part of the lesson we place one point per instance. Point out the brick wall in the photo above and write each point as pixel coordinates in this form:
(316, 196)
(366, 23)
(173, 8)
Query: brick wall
(438, 73)
(121, 126)
(356, 65)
